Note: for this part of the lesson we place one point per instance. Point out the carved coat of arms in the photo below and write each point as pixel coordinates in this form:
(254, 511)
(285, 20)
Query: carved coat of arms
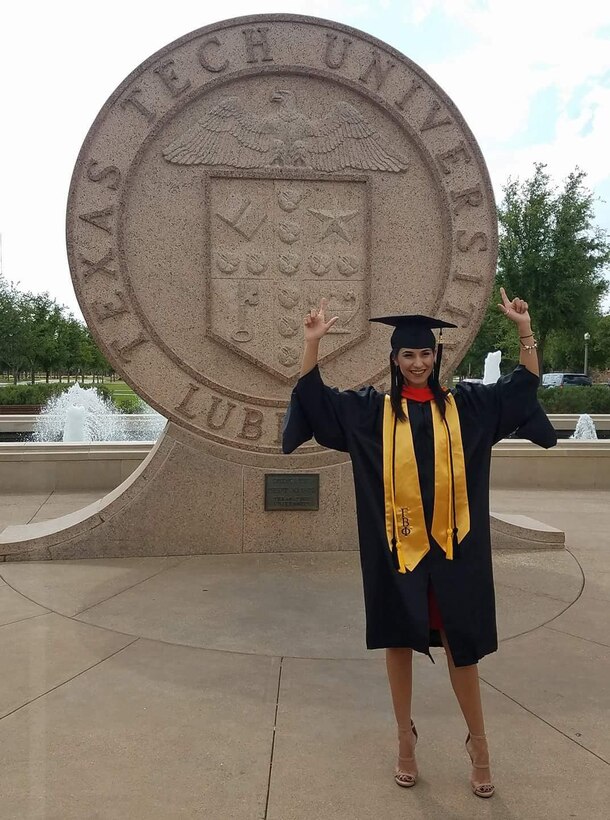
(230, 135)
(287, 223)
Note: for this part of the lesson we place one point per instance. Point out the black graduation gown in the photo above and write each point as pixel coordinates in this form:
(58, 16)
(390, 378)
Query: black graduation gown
(396, 604)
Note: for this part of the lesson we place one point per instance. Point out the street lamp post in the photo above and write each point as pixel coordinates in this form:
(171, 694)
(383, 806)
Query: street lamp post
(587, 337)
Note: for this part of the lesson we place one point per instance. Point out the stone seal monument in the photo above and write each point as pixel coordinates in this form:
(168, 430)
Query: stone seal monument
(232, 180)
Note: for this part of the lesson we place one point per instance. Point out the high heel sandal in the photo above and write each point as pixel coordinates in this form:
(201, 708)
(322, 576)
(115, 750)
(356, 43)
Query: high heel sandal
(480, 789)
(406, 779)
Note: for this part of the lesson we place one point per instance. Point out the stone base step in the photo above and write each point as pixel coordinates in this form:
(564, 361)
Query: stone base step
(512, 531)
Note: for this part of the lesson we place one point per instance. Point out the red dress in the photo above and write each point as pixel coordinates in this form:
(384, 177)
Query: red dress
(434, 614)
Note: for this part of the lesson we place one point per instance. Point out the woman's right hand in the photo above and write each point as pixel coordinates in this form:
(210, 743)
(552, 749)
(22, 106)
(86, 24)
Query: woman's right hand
(315, 322)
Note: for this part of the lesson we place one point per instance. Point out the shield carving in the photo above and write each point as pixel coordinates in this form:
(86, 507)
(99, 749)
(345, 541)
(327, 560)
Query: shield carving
(279, 241)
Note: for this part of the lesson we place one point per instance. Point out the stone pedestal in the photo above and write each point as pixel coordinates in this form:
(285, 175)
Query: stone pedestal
(193, 496)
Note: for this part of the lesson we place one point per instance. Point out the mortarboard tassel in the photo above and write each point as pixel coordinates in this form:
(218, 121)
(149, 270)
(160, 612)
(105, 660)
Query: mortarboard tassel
(439, 357)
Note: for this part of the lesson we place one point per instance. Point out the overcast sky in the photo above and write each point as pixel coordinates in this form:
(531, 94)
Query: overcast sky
(531, 77)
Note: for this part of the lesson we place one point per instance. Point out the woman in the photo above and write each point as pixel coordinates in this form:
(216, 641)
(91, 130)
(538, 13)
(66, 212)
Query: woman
(421, 459)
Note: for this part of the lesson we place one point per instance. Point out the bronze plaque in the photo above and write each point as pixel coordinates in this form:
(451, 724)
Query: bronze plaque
(292, 491)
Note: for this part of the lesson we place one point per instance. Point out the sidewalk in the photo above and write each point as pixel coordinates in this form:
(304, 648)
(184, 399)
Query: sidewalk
(237, 687)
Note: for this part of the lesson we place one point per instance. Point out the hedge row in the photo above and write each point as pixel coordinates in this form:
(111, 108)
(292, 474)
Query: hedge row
(127, 404)
(595, 399)
(39, 394)
(30, 393)
(573, 399)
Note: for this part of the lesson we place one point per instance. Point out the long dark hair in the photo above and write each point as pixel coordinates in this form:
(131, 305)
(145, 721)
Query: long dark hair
(441, 397)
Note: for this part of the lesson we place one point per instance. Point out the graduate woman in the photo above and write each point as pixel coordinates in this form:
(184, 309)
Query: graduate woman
(421, 458)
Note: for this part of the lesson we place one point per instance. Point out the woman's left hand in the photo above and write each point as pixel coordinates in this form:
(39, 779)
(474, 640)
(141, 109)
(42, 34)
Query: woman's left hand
(515, 310)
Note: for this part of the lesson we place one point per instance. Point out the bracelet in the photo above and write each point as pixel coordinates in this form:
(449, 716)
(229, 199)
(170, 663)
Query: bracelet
(526, 337)
(529, 347)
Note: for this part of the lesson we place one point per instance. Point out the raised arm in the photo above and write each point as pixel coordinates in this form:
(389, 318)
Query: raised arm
(316, 326)
(316, 409)
(517, 311)
(512, 402)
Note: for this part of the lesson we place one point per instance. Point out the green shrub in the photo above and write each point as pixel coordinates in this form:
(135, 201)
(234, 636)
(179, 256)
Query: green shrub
(104, 391)
(29, 393)
(573, 399)
(128, 403)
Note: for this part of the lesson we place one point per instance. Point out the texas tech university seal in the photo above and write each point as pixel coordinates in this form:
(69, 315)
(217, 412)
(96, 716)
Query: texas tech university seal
(244, 172)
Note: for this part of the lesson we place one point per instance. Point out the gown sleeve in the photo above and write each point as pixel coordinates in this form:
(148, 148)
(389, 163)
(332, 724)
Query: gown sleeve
(324, 413)
(510, 406)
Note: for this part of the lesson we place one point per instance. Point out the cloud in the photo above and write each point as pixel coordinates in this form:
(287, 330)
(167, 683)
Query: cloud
(532, 79)
(518, 54)
(580, 140)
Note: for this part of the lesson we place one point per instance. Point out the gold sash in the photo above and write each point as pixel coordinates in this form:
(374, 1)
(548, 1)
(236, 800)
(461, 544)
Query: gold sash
(404, 511)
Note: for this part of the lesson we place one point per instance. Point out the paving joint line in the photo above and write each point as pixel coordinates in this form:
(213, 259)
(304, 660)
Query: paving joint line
(132, 586)
(187, 645)
(543, 720)
(565, 609)
(27, 618)
(39, 508)
(73, 616)
(68, 680)
(533, 592)
(31, 600)
(277, 703)
(578, 637)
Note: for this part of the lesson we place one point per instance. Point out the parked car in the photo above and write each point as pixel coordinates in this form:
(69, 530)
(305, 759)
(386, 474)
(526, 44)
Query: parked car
(563, 379)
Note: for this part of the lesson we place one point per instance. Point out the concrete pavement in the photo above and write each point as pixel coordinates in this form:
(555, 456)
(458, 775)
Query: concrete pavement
(238, 686)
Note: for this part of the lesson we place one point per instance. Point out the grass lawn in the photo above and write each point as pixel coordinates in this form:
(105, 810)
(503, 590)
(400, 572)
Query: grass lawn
(114, 387)
(123, 396)
(119, 388)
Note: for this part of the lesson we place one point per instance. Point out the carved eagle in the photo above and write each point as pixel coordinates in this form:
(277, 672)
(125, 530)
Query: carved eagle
(229, 135)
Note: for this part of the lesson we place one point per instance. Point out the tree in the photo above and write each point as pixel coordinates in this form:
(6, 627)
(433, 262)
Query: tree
(93, 359)
(42, 316)
(551, 254)
(36, 333)
(599, 347)
(70, 338)
(566, 351)
(14, 329)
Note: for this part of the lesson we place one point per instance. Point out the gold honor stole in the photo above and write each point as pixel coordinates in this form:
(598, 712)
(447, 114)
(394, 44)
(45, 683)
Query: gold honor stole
(404, 510)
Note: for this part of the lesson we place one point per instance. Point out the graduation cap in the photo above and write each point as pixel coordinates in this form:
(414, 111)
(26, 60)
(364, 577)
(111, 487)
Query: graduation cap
(415, 331)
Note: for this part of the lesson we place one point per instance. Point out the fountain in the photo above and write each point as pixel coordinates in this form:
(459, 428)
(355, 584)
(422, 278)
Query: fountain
(77, 415)
(585, 428)
(75, 424)
(81, 414)
(491, 372)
